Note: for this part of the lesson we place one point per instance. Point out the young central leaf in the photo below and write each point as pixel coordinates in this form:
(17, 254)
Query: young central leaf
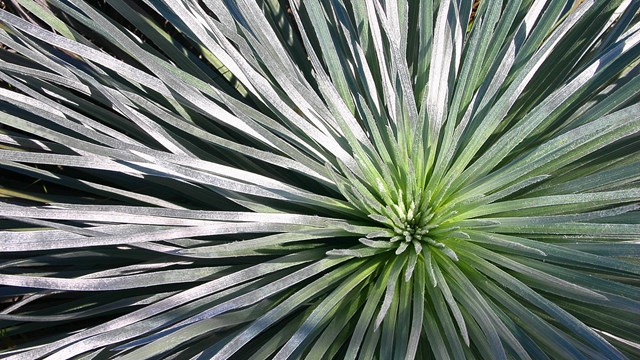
(410, 218)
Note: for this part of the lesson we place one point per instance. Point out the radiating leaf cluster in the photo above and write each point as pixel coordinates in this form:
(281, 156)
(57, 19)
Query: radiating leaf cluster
(256, 179)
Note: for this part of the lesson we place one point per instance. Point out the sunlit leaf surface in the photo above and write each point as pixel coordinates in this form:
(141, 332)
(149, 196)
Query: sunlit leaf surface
(260, 179)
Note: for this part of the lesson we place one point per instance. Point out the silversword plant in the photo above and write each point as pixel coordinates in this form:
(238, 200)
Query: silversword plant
(365, 179)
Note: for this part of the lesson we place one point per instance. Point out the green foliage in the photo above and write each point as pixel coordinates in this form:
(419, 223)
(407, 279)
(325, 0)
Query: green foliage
(321, 179)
